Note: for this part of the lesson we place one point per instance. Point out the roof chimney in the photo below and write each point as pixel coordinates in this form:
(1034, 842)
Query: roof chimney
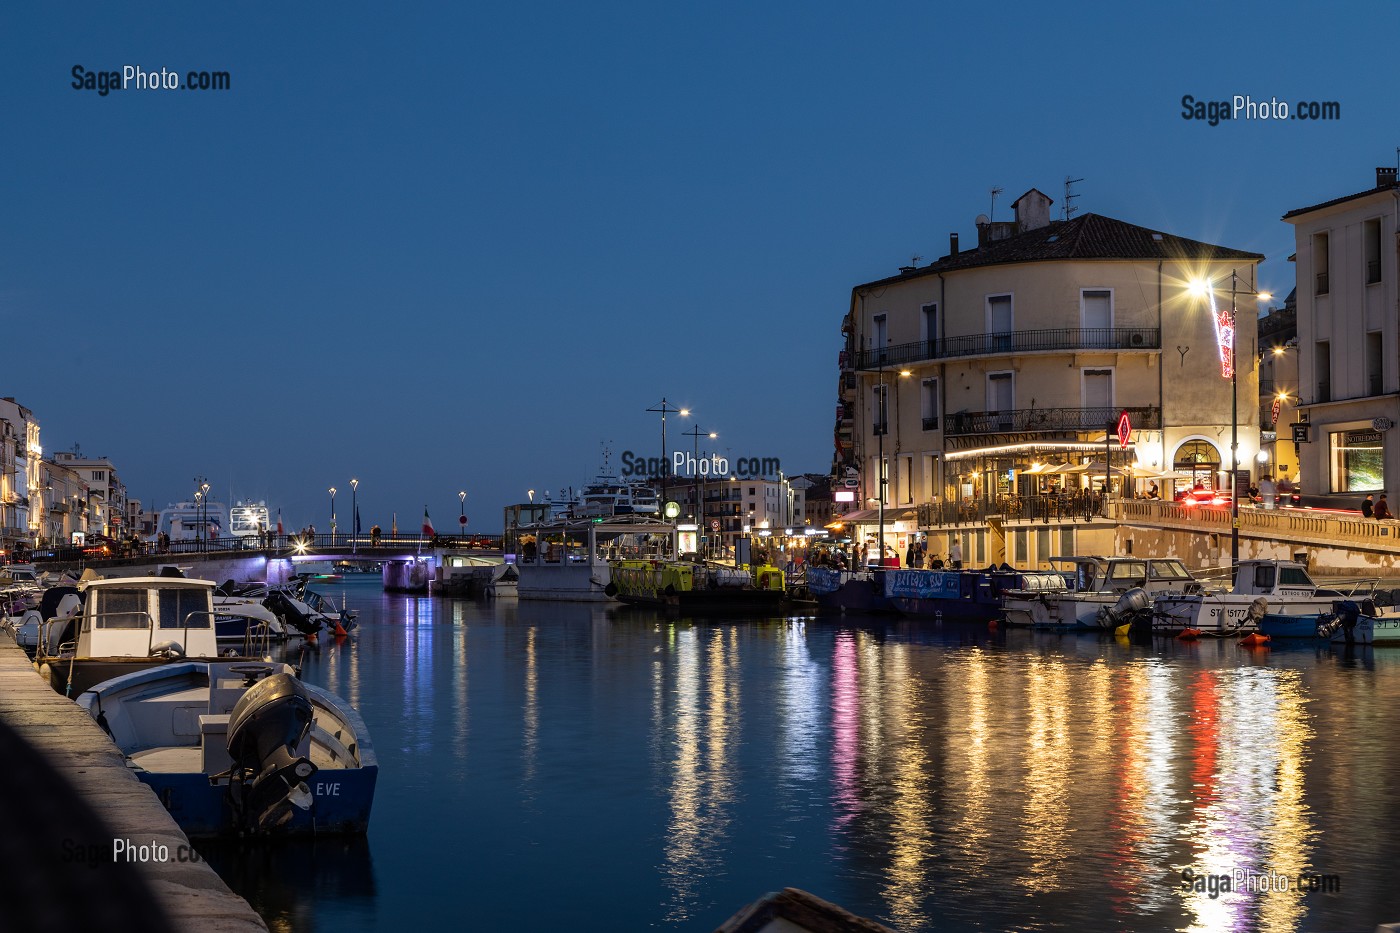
(952, 244)
(1385, 176)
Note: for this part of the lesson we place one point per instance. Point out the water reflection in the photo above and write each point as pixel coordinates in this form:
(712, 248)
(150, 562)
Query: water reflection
(933, 778)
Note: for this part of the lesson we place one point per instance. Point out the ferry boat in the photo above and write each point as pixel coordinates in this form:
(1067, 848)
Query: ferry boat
(248, 520)
(1280, 587)
(239, 748)
(964, 595)
(692, 587)
(1093, 584)
(569, 559)
(192, 521)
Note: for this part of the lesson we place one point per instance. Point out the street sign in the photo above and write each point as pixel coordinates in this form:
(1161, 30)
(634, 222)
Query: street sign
(461, 519)
(714, 523)
(1125, 430)
(1300, 432)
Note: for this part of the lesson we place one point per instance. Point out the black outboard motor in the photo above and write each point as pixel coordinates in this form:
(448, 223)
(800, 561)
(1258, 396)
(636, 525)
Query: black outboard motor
(265, 729)
(48, 609)
(1134, 608)
(1342, 618)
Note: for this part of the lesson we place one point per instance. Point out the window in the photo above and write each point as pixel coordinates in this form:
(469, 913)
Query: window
(1293, 576)
(1371, 236)
(1321, 260)
(1374, 365)
(1096, 313)
(906, 479)
(880, 414)
(930, 322)
(1322, 361)
(1098, 388)
(1264, 577)
(183, 607)
(929, 404)
(1357, 460)
(121, 609)
(881, 336)
(999, 320)
(99, 474)
(1200, 459)
(1001, 398)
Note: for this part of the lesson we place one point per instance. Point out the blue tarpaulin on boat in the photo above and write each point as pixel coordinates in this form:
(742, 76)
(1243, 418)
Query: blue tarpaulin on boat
(922, 584)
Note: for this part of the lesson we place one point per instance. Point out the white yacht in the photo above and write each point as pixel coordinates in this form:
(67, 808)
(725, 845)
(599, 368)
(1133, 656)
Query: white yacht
(1095, 583)
(248, 519)
(183, 521)
(608, 495)
(568, 560)
(1276, 587)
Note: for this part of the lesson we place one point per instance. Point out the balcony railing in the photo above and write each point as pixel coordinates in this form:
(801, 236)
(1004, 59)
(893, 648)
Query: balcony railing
(931, 424)
(1373, 271)
(1030, 420)
(1323, 284)
(1018, 341)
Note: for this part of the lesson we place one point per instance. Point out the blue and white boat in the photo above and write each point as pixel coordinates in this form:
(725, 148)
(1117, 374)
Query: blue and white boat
(1093, 585)
(240, 748)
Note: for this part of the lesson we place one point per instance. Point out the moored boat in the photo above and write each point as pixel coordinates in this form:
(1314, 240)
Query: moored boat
(963, 595)
(1280, 587)
(1092, 586)
(691, 587)
(569, 560)
(849, 590)
(1359, 623)
(238, 748)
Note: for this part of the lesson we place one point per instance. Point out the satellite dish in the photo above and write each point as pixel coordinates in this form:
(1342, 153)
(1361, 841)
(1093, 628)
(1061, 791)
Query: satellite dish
(983, 220)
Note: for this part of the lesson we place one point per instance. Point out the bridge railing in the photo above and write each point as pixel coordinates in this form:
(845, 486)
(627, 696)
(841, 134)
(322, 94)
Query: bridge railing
(370, 546)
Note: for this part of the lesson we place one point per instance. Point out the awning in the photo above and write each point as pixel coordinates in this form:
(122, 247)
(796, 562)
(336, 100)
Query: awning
(1042, 469)
(872, 517)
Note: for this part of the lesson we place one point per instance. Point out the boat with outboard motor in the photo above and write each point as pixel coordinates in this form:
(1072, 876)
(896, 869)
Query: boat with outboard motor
(1093, 585)
(239, 748)
(1262, 587)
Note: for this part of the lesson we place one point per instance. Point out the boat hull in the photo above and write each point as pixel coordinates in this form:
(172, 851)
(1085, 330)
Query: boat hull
(1227, 614)
(1285, 626)
(717, 601)
(1369, 630)
(844, 591)
(564, 583)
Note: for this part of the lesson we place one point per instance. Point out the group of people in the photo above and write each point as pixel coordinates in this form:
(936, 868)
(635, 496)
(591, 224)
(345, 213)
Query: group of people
(916, 556)
(1370, 508)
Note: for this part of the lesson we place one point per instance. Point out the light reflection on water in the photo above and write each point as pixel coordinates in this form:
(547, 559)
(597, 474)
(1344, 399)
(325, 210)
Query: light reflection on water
(548, 766)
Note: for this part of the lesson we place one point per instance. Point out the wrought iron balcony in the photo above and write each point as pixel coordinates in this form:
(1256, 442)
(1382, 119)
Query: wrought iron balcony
(1017, 341)
(1047, 420)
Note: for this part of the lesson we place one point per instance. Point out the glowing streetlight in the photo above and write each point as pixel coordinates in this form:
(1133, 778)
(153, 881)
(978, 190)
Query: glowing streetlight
(462, 519)
(664, 409)
(354, 514)
(332, 515)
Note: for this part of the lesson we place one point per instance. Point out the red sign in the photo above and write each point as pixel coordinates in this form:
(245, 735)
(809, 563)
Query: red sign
(461, 519)
(1278, 404)
(1125, 430)
(714, 523)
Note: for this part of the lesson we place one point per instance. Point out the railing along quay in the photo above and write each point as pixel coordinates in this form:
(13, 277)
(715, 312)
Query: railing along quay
(363, 545)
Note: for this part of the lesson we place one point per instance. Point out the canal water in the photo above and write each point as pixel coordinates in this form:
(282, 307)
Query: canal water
(554, 766)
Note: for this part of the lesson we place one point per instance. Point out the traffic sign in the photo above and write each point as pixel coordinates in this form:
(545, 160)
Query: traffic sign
(461, 519)
(714, 523)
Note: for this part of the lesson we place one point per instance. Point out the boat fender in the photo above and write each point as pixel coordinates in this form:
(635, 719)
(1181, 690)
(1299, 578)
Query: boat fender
(670, 589)
(610, 589)
(167, 649)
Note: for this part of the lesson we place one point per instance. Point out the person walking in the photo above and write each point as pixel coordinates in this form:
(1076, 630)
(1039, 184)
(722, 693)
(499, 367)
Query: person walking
(1368, 506)
(1382, 509)
(955, 554)
(1268, 492)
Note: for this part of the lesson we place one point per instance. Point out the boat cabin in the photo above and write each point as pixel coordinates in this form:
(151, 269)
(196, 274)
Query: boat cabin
(130, 616)
(1273, 578)
(1120, 574)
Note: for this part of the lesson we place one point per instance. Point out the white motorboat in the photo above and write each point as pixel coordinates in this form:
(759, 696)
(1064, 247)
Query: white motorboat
(505, 581)
(568, 560)
(1275, 587)
(239, 748)
(1094, 584)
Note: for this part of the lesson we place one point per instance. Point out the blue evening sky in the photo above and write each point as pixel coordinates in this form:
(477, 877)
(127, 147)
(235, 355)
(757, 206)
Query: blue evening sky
(459, 245)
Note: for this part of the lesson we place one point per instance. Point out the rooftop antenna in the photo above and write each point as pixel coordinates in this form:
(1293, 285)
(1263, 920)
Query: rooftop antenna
(995, 191)
(1070, 196)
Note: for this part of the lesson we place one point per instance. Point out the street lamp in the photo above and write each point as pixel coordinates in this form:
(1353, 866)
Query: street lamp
(354, 514)
(699, 485)
(332, 516)
(462, 519)
(1225, 334)
(664, 409)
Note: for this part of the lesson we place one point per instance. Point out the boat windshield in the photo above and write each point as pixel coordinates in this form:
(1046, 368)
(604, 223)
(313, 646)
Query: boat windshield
(1128, 570)
(1294, 576)
(121, 608)
(183, 607)
(1170, 570)
(1264, 578)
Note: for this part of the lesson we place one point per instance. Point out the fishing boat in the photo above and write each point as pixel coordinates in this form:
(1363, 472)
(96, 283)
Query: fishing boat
(1261, 587)
(239, 748)
(848, 590)
(964, 595)
(127, 624)
(1092, 585)
(569, 560)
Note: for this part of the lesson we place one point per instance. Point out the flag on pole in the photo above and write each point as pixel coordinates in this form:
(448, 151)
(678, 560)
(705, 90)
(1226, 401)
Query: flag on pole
(427, 523)
(280, 532)
(394, 528)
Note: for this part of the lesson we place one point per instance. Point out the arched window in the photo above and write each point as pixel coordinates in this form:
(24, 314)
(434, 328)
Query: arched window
(1200, 459)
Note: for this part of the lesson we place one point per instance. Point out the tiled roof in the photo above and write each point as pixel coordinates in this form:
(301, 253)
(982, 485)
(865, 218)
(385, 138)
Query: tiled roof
(1088, 236)
(1341, 200)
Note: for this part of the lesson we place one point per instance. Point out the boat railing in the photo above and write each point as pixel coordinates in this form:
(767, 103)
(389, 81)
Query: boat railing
(257, 639)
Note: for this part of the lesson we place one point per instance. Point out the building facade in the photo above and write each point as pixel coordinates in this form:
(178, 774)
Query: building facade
(66, 504)
(107, 493)
(1348, 328)
(20, 453)
(1002, 372)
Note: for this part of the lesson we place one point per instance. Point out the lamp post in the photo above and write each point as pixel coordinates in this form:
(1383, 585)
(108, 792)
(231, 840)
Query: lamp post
(664, 409)
(354, 514)
(1225, 331)
(462, 519)
(199, 519)
(332, 516)
(698, 489)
